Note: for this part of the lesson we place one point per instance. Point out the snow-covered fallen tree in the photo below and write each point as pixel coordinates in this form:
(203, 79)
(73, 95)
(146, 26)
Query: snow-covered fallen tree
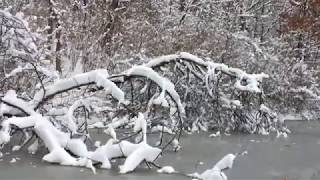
(165, 108)
(214, 95)
(54, 139)
(58, 137)
(58, 142)
(165, 96)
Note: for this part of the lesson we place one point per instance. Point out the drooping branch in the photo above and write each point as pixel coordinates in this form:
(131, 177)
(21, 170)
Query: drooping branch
(165, 84)
(244, 81)
(98, 77)
(11, 100)
(14, 106)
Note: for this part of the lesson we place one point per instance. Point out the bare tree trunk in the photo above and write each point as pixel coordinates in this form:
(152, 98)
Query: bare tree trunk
(54, 33)
(114, 4)
(58, 48)
(262, 23)
(243, 24)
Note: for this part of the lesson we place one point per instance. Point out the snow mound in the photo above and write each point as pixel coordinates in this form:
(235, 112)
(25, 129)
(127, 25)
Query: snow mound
(166, 169)
(144, 152)
(226, 162)
(77, 147)
(16, 148)
(216, 173)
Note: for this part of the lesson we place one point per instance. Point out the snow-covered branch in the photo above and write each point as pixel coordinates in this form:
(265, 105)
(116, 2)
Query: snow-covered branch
(245, 81)
(98, 77)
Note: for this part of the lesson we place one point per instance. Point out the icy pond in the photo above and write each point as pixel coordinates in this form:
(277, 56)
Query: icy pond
(292, 158)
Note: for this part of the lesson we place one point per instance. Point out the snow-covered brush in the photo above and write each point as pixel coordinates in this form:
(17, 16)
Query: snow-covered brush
(218, 95)
(167, 88)
(143, 153)
(17, 36)
(104, 154)
(21, 54)
(140, 152)
(55, 140)
(135, 153)
(216, 173)
(149, 92)
(141, 125)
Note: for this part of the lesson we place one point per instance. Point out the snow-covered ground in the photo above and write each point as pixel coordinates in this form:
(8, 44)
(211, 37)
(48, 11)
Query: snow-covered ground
(267, 157)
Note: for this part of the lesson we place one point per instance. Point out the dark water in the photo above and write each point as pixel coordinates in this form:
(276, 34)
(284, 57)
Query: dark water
(268, 158)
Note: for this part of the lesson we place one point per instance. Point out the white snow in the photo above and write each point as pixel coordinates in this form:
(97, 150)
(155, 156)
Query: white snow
(134, 153)
(98, 124)
(33, 148)
(144, 152)
(216, 173)
(54, 139)
(164, 83)
(307, 91)
(162, 59)
(97, 143)
(176, 144)
(160, 128)
(60, 156)
(99, 77)
(161, 100)
(251, 81)
(50, 74)
(140, 123)
(127, 147)
(226, 162)
(16, 148)
(104, 153)
(212, 174)
(13, 160)
(174, 57)
(166, 169)
(244, 82)
(110, 131)
(11, 97)
(4, 137)
(15, 71)
(217, 134)
(77, 147)
(282, 134)
(70, 118)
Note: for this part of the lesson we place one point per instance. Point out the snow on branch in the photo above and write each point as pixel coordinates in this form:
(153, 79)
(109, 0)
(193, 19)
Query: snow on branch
(140, 152)
(174, 57)
(98, 77)
(70, 118)
(306, 91)
(165, 84)
(54, 139)
(13, 105)
(244, 81)
(28, 67)
(216, 173)
(17, 34)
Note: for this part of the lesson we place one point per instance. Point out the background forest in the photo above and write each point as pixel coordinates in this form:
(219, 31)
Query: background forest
(278, 38)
